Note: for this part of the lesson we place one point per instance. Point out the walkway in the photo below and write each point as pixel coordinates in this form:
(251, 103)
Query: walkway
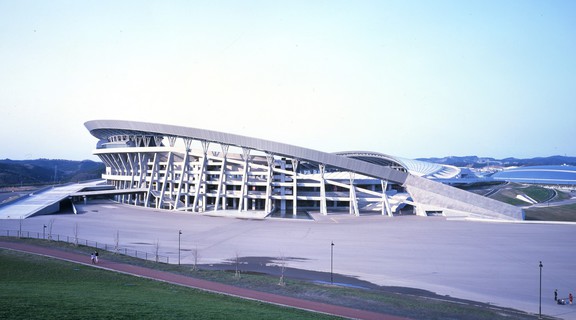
(200, 284)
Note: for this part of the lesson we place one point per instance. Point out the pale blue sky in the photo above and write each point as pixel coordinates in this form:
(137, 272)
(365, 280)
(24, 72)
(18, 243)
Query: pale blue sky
(406, 78)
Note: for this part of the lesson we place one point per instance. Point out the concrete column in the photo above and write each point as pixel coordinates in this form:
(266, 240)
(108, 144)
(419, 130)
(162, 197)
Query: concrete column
(353, 200)
(385, 203)
(323, 207)
(222, 180)
(295, 187)
(269, 180)
(243, 205)
(200, 178)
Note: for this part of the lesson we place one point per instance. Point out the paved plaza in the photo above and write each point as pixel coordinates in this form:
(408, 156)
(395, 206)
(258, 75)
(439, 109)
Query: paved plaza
(490, 262)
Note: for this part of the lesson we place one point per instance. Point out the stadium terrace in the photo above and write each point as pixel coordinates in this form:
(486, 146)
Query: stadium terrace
(197, 170)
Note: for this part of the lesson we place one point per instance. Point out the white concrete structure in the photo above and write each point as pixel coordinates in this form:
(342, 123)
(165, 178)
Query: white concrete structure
(43, 201)
(196, 170)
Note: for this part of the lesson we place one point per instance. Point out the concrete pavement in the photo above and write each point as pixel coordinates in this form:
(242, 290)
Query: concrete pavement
(493, 263)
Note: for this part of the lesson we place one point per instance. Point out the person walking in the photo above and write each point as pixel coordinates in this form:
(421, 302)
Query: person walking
(96, 256)
(92, 257)
(555, 294)
(570, 298)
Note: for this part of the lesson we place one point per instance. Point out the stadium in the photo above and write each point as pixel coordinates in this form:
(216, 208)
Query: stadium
(202, 171)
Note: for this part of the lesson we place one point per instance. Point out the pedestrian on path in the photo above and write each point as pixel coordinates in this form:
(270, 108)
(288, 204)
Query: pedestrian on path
(555, 294)
(570, 298)
(96, 256)
(92, 257)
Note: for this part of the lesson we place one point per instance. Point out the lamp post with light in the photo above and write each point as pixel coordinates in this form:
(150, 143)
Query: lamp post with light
(332, 263)
(540, 304)
(179, 234)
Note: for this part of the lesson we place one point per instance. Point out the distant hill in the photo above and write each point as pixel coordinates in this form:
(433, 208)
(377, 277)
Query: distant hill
(479, 162)
(46, 171)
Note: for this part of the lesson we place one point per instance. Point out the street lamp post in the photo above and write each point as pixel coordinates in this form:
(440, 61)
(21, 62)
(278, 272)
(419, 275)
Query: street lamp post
(332, 263)
(44, 232)
(540, 304)
(179, 234)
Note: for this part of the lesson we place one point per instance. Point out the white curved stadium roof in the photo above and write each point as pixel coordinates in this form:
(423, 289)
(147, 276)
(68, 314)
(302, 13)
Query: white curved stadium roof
(415, 176)
(416, 167)
(104, 128)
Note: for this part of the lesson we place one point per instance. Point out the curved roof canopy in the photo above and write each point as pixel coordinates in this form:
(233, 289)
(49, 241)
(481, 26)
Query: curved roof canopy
(553, 175)
(418, 168)
(102, 129)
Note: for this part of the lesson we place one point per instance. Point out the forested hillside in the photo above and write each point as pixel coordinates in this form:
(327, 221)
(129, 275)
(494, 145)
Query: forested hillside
(46, 171)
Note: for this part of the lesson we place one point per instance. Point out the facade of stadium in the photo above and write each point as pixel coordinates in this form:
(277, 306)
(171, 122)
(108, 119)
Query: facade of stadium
(196, 170)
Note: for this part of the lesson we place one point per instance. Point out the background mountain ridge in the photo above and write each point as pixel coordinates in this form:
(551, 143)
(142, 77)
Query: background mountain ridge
(14, 173)
(480, 162)
(47, 171)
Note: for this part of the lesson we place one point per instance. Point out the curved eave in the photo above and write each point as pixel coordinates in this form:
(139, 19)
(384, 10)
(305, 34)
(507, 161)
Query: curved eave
(373, 157)
(419, 168)
(101, 129)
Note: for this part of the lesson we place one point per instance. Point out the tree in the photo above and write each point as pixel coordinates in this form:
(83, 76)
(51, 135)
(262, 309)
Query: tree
(237, 274)
(196, 257)
(20, 222)
(117, 241)
(50, 224)
(157, 248)
(76, 233)
(282, 265)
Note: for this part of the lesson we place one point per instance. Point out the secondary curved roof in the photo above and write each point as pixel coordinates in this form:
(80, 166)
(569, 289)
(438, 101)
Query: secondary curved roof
(556, 175)
(416, 167)
(102, 129)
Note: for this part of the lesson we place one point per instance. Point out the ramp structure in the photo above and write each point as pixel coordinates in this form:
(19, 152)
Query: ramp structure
(44, 201)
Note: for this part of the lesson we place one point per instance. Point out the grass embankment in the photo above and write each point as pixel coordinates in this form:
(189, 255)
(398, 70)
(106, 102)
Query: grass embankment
(510, 193)
(552, 213)
(35, 287)
(54, 288)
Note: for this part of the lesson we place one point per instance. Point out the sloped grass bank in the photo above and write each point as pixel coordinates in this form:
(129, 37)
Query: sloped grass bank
(36, 287)
(552, 213)
(82, 291)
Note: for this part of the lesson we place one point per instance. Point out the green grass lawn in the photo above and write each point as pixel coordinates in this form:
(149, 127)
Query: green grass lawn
(552, 213)
(538, 193)
(36, 287)
(542, 195)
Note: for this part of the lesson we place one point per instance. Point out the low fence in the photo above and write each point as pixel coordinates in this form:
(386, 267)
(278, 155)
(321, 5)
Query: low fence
(89, 243)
